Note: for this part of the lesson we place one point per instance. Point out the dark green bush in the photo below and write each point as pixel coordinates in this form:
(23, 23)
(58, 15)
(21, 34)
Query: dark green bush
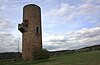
(40, 54)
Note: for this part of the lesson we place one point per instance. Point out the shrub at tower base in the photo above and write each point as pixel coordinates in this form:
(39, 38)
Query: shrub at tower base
(40, 54)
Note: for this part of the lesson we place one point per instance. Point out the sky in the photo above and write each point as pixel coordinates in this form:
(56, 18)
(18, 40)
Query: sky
(66, 24)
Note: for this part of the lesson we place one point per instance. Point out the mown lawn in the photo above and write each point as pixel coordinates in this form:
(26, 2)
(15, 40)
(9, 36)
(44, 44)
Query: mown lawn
(83, 58)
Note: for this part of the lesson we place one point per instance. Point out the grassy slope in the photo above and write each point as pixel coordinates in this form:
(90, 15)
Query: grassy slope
(84, 58)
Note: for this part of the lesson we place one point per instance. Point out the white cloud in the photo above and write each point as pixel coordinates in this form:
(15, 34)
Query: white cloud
(64, 9)
(73, 40)
(2, 7)
(76, 39)
(70, 13)
(5, 25)
(91, 1)
(8, 43)
(3, 0)
(89, 9)
(55, 38)
(48, 0)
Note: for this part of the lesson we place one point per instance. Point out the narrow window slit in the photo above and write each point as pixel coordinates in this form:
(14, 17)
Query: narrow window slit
(37, 30)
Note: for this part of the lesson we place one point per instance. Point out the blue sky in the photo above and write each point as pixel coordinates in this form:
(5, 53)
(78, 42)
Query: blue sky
(66, 24)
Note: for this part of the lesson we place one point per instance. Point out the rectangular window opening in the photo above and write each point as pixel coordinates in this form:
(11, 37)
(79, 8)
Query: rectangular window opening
(37, 30)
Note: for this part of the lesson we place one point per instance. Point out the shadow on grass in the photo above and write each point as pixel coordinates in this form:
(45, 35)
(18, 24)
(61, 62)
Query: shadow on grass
(42, 61)
(21, 62)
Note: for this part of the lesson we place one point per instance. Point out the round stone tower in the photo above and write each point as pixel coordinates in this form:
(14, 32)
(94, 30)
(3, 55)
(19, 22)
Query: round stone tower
(31, 31)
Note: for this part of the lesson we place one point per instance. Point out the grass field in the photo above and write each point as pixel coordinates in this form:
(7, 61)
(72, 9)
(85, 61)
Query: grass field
(81, 58)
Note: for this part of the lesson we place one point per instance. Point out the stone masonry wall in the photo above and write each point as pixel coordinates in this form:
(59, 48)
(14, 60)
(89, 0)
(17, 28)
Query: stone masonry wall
(31, 40)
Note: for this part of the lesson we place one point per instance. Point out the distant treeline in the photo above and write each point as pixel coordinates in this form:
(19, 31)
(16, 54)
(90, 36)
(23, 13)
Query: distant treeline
(85, 49)
(10, 55)
(61, 52)
(90, 48)
(17, 55)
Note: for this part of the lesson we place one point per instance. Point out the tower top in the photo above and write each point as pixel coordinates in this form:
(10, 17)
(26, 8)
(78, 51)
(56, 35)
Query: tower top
(32, 5)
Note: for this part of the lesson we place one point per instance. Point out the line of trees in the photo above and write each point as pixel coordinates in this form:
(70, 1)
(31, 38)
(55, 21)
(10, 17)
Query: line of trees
(45, 54)
(10, 55)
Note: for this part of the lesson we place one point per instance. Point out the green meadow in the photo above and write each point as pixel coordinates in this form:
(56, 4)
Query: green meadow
(79, 58)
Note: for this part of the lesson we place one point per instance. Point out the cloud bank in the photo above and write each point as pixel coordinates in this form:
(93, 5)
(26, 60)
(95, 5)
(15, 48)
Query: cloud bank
(73, 40)
(8, 43)
(88, 11)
